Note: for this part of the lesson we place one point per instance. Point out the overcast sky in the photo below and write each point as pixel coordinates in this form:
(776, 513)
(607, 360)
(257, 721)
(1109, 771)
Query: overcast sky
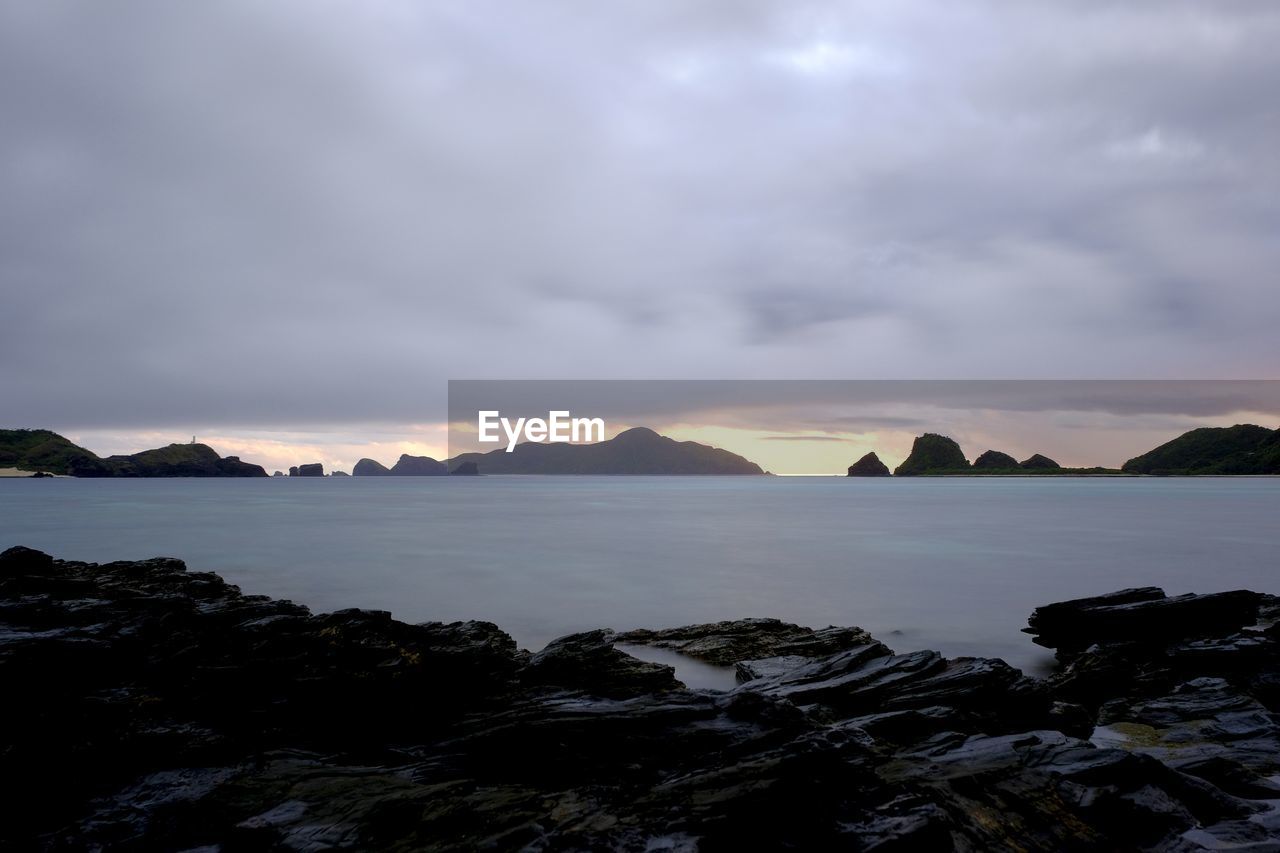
(292, 218)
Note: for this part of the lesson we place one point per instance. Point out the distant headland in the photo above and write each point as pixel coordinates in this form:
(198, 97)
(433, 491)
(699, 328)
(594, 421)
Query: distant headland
(634, 451)
(1243, 449)
(42, 451)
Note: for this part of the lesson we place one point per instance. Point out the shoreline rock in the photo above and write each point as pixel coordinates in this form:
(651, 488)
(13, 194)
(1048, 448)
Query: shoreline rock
(152, 707)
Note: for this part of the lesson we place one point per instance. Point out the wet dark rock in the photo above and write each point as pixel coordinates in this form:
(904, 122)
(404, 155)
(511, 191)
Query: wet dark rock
(994, 459)
(19, 560)
(151, 707)
(869, 466)
(1145, 616)
(727, 643)
(589, 662)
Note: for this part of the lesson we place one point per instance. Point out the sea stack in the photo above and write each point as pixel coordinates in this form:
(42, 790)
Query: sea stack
(994, 459)
(314, 469)
(932, 453)
(869, 466)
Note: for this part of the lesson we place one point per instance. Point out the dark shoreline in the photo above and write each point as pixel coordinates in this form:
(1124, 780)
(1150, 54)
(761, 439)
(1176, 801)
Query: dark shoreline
(151, 707)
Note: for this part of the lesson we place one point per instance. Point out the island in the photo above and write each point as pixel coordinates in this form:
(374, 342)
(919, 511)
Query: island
(869, 466)
(1240, 450)
(1243, 449)
(406, 466)
(40, 450)
(634, 451)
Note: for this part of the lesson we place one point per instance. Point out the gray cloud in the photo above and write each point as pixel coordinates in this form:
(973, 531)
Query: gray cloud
(317, 213)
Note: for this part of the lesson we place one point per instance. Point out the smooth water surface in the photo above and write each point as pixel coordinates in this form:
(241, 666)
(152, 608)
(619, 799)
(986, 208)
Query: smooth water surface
(951, 564)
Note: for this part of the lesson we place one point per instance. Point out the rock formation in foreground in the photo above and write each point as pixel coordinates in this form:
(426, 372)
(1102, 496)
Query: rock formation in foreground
(869, 466)
(932, 453)
(149, 707)
(634, 451)
(994, 460)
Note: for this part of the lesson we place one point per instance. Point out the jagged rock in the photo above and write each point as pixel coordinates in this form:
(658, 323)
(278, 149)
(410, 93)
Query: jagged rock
(314, 469)
(589, 662)
(1143, 615)
(466, 469)
(870, 679)
(869, 466)
(994, 459)
(1038, 463)
(369, 468)
(727, 643)
(19, 560)
(1103, 799)
(932, 453)
(1204, 724)
(418, 466)
(339, 474)
(278, 474)
(293, 470)
(151, 707)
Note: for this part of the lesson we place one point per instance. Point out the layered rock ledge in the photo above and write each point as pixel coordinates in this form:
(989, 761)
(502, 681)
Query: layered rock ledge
(150, 707)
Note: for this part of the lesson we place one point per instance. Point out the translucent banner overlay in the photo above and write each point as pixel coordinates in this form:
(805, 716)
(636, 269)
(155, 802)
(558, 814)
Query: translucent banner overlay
(821, 427)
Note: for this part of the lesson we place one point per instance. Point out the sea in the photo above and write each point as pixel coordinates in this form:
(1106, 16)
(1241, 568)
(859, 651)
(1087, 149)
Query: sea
(953, 564)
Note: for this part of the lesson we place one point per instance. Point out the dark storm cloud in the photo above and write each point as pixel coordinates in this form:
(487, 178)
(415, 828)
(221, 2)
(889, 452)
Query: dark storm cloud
(307, 213)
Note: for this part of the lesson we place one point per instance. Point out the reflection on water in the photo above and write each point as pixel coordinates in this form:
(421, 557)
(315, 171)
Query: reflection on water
(954, 564)
(693, 673)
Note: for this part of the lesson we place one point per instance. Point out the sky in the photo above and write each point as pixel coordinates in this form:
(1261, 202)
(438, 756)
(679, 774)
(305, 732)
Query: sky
(284, 227)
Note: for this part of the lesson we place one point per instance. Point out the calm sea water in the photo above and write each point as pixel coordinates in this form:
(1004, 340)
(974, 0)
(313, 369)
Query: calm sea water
(951, 564)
